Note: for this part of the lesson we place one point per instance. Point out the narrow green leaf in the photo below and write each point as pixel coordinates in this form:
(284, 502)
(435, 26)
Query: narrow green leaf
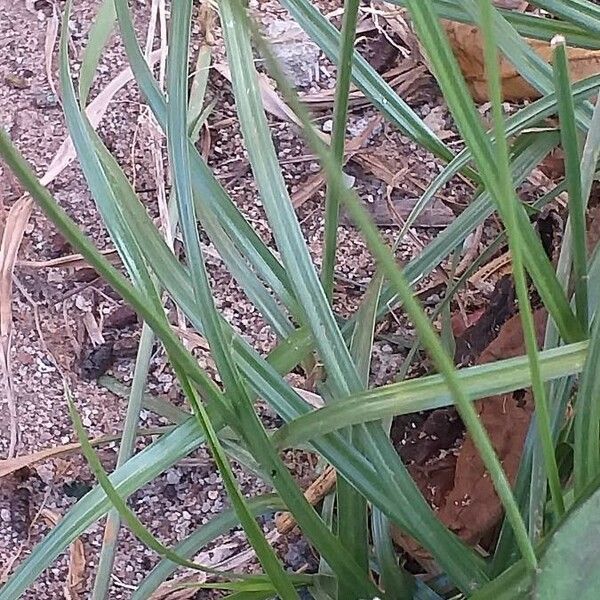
(431, 392)
(518, 241)
(267, 382)
(376, 444)
(338, 137)
(197, 114)
(383, 97)
(98, 35)
(526, 24)
(587, 421)
(570, 144)
(579, 12)
(397, 583)
(177, 62)
(126, 450)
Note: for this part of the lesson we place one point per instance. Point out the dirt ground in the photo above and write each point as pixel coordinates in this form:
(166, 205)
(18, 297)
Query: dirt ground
(53, 311)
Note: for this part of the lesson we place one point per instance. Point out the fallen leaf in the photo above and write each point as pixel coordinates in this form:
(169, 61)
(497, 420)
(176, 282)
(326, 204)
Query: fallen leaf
(14, 229)
(467, 43)
(472, 508)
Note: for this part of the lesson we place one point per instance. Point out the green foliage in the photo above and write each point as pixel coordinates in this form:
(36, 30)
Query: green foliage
(542, 550)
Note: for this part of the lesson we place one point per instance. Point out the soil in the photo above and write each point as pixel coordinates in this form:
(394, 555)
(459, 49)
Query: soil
(51, 307)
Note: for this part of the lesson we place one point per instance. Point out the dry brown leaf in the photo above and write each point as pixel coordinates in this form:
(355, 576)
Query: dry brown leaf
(14, 228)
(270, 99)
(11, 465)
(76, 574)
(49, 43)
(457, 484)
(467, 43)
(472, 508)
(308, 189)
(499, 266)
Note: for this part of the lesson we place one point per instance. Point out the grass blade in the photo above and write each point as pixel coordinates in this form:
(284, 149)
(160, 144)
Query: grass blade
(206, 188)
(526, 24)
(572, 153)
(431, 392)
(383, 97)
(177, 62)
(397, 583)
(126, 450)
(508, 208)
(134, 524)
(579, 12)
(338, 137)
(98, 35)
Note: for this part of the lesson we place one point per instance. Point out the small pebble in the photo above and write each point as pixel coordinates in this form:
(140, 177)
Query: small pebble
(173, 477)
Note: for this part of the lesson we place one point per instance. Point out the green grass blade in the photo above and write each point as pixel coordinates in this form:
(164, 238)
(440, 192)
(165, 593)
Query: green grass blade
(454, 235)
(534, 494)
(587, 429)
(264, 551)
(280, 212)
(97, 179)
(196, 112)
(293, 252)
(468, 121)
(431, 392)
(235, 390)
(98, 35)
(579, 12)
(126, 450)
(135, 473)
(134, 524)
(338, 137)
(161, 406)
(586, 462)
(206, 188)
(507, 204)
(352, 508)
(570, 144)
(397, 583)
(524, 118)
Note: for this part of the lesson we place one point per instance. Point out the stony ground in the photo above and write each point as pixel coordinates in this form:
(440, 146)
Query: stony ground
(59, 316)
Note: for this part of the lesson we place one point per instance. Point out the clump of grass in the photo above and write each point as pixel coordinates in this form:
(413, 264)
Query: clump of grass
(542, 548)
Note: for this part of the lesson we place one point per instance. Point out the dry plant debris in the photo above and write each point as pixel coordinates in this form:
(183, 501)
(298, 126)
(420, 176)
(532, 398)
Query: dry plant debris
(467, 44)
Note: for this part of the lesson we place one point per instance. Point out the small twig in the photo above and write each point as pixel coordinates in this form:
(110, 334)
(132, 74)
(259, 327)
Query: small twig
(316, 491)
